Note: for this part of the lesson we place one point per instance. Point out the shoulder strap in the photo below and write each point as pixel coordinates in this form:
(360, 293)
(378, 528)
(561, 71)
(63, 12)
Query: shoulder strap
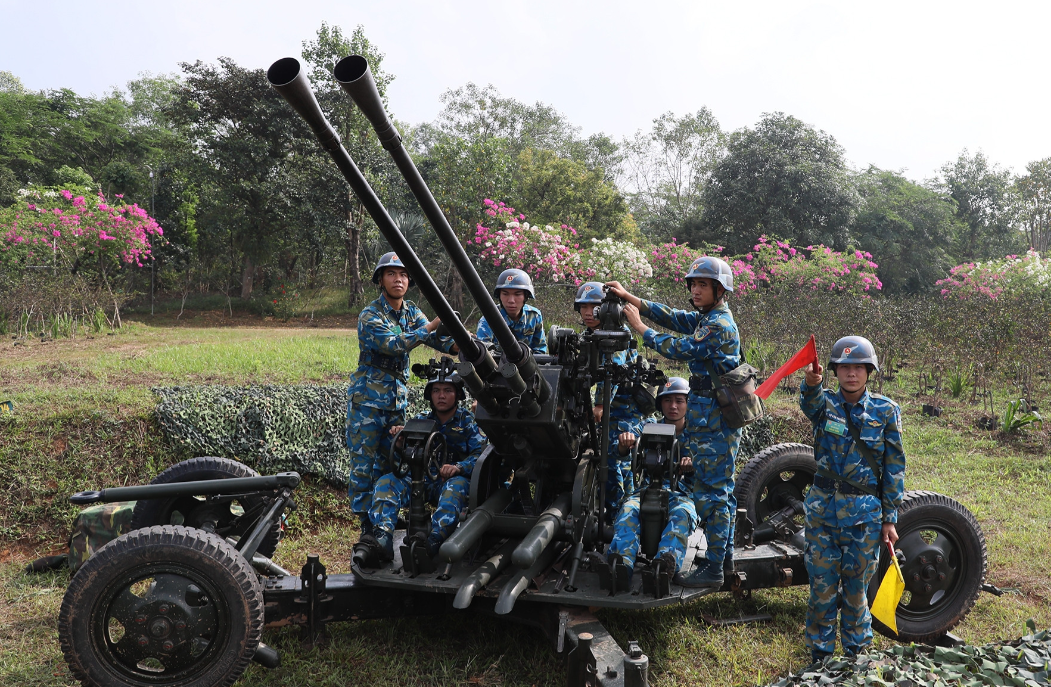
(864, 450)
(824, 472)
(717, 382)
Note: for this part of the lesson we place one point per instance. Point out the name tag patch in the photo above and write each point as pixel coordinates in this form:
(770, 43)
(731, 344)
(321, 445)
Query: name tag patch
(834, 427)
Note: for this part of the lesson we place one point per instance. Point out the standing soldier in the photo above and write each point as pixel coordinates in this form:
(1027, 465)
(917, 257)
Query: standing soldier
(388, 328)
(711, 345)
(448, 490)
(855, 498)
(624, 415)
(512, 289)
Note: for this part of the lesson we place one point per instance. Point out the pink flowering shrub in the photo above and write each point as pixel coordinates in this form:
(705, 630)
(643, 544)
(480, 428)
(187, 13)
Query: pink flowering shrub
(544, 252)
(1012, 275)
(56, 227)
(774, 263)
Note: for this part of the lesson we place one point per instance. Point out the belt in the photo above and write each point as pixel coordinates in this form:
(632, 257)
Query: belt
(701, 385)
(836, 485)
(388, 363)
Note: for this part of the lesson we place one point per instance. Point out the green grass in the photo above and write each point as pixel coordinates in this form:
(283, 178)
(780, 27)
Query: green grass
(83, 420)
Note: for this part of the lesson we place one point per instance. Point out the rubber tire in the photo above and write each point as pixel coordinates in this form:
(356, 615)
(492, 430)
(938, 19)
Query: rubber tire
(239, 598)
(150, 512)
(925, 509)
(760, 473)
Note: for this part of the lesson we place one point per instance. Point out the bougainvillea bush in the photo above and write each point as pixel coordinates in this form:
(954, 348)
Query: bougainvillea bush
(74, 243)
(544, 252)
(1013, 275)
(777, 264)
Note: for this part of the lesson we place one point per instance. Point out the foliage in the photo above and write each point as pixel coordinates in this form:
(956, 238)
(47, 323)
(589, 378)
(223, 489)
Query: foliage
(1034, 198)
(777, 264)
(958, 380)
(608, 259)
(909, 227)
(665, 171)
(781, 178)
(542, 252)
(985, 206)
(1017, 417)
(1011, 276)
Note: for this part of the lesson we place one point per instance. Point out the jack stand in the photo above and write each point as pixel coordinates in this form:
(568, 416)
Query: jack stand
(316, 603)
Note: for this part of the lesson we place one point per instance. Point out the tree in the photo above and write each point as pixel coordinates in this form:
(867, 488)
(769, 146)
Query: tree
(244, 136)
(985, 207)
(783, 178)
(667, 169)
(908, 228)
(1034, 194)
(556, 190)
(329, 47)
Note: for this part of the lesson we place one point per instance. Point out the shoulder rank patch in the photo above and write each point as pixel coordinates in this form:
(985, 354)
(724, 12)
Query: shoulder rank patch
(702, 333)
(875, 423)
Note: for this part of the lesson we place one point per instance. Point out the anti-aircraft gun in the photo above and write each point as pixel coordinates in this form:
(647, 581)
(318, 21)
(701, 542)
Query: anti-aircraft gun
(536, 512)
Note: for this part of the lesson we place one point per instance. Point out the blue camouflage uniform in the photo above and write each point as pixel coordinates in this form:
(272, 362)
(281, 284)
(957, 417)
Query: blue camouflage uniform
(711, 443)
(843, 529)
(464, 442)
(528, 328)
(624, 415)
(378, 394)
(682, 519)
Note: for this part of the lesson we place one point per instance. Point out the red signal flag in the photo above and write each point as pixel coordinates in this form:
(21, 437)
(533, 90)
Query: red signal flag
(806, 355)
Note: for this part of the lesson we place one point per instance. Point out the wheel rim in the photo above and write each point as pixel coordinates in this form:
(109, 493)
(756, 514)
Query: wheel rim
(933, 567)
(160, 623)
(778, 491)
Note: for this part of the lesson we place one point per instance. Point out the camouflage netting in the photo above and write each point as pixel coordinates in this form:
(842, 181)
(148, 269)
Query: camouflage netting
(295, 427)
(1022, 663)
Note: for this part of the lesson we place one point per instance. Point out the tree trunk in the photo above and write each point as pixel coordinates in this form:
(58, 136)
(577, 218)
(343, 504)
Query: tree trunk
(352, 242)
(455, 292)
(247, 278)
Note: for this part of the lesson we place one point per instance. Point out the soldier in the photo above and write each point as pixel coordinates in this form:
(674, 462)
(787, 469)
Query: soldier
(855, 498)
(711, 343)
(512, 289)
(682, 516)
(388, 328)
(464, 442)
(623, 415)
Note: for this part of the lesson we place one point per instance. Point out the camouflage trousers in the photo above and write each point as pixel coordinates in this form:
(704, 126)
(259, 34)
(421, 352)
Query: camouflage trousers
(393, 493)
(627, 529)
(369, 441)
(841, 557)
(620, 481)
(713, 447)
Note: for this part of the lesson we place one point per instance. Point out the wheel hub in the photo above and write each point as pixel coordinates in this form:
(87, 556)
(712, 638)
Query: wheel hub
(929, 570)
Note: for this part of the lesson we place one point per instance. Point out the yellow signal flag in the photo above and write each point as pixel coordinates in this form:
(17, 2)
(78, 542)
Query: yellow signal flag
(885, 605)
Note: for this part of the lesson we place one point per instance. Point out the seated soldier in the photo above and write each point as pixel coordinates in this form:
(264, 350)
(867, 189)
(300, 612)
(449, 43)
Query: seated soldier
(448, 492)
(682, 516)
(624, 413)
(512, 289)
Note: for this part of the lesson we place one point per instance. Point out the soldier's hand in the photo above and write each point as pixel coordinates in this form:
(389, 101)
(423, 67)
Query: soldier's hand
(625, 442)
(617, 289)
(433, 324)
(814, 374)
(889, 533)
(395, 429)
(597, 410)
(450, 470)
(634, 317)
(686, 463)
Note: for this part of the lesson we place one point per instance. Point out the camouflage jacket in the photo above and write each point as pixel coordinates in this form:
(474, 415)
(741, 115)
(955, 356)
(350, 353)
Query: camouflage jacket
(462, 436)
(529, 328)
(710, 336)
(393, 333)
(879, 421)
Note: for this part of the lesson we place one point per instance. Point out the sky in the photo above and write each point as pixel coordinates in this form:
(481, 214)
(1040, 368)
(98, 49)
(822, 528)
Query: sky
(900, 85)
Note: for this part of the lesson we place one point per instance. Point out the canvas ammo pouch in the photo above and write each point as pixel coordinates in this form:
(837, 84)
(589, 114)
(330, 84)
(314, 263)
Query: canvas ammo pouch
(735, 394)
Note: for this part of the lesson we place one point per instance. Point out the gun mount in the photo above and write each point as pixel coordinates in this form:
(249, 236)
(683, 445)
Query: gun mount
(537, 513)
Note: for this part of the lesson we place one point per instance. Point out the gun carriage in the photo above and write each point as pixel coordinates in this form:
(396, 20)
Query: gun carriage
(184, 599)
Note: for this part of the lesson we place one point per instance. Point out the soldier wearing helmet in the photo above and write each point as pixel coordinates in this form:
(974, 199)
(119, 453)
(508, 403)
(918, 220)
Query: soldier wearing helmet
(447, 490)
(854, 501)
(624, 413)
(707, 338)
(513, 288)
(388, 328)
(672, 400)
